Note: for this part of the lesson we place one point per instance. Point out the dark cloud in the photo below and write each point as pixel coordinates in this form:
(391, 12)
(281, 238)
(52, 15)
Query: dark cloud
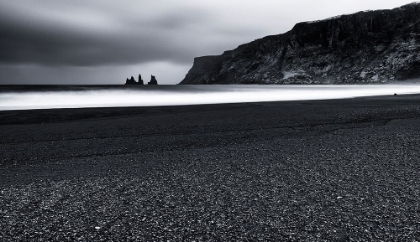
(173, 36)
(63, 44)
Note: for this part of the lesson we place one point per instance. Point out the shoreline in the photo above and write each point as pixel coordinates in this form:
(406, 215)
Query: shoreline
(300, 170)
(96, 97)
(410, 95)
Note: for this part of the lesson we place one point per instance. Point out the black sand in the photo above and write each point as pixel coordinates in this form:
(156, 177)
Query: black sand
(311, 171)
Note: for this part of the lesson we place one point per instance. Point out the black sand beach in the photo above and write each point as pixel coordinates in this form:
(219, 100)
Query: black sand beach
(332, 170)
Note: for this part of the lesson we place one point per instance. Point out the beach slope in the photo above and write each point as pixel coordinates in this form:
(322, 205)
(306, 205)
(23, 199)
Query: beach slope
(306, 170)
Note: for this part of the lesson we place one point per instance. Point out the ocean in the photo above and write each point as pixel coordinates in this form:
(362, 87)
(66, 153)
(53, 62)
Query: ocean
(48, 97)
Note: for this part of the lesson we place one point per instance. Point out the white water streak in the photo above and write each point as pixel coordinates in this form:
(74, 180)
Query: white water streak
(192, 95)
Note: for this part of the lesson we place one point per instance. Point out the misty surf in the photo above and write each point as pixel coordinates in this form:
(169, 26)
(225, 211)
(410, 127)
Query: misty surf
(80, 97)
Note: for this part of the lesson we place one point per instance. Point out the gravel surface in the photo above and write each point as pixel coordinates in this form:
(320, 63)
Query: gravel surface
(342, 170)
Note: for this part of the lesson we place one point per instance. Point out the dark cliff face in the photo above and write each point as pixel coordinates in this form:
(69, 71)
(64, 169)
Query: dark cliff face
(365, 47)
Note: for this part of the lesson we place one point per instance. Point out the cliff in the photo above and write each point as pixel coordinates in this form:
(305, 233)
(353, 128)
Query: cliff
(365, 47)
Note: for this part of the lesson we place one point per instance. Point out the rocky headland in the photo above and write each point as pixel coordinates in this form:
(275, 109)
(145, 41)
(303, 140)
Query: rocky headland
(365, 47)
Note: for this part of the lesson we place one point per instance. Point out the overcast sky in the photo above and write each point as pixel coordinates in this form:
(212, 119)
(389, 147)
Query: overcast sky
(106, 41)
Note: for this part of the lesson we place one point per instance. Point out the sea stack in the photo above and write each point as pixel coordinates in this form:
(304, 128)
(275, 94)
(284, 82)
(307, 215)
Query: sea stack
(153, 81)
(140, 81)
(130, 81)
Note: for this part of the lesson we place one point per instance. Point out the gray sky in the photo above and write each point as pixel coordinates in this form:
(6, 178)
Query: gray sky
(106, 41)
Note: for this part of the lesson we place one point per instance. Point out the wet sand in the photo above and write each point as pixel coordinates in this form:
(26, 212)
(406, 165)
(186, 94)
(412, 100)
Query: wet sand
(307, 171)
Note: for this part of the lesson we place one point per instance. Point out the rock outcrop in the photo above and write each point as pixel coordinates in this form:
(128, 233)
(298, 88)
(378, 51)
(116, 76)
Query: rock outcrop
(131, 81)
(152, 81)
(140, 81)
(365, 47)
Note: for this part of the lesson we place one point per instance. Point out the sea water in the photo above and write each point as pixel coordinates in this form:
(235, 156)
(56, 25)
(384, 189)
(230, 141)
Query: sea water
(47, 97)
